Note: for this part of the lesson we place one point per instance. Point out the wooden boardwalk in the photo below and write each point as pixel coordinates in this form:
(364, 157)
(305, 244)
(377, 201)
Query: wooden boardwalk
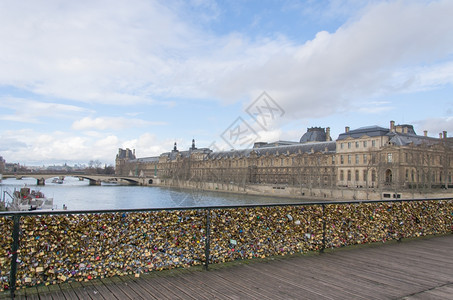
(412, 269)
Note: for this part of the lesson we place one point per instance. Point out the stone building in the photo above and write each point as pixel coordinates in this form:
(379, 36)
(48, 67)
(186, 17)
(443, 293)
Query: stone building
(2, 165)
(371, 157)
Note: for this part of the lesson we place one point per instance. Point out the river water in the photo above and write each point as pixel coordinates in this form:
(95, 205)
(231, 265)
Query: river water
(78, 195)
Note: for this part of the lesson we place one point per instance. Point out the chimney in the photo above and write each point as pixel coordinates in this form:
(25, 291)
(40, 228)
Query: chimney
(440, 135)
(392, 126)
(425, 132)
(445, 134)
(346, 129)
(328, 134)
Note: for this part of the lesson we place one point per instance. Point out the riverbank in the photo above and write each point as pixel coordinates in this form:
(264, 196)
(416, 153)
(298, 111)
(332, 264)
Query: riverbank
(305, 193)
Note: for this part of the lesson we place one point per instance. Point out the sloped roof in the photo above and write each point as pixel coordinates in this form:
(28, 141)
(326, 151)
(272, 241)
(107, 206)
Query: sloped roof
(400, 139)
(370, 131)
(286, 149)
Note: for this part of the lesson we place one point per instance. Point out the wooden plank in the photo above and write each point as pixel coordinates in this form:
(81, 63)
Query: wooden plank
(296, 274)
(153, 289)
(227, 288)
(131, 282)
(170, 289)
(80, 290)
(93, 290)
(98, 285)
(195, 287)
(44, 292)
(32, 293)
(68, 291)
(116, 286)
(369, 278)
(247, 283)
(329, 279)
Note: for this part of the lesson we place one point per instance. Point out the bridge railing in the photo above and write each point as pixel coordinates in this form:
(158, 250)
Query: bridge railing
(49, 247)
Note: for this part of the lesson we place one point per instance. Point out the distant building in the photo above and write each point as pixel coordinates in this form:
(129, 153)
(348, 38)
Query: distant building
(2, 165)
(368, 157)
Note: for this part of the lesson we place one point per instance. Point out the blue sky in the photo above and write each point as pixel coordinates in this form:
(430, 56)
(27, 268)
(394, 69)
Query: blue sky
(80, 79)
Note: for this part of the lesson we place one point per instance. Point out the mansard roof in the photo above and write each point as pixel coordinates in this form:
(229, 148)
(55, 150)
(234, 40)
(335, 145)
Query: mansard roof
(401, 139)
(286, 149)
(174, 154)
(370, 131)
(147, 159)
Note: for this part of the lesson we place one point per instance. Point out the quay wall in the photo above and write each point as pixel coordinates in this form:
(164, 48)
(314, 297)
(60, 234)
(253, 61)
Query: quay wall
(285, 191)
(55, 247)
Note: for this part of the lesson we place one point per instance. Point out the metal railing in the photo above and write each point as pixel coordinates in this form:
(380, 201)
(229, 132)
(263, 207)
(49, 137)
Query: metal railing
(49, 247)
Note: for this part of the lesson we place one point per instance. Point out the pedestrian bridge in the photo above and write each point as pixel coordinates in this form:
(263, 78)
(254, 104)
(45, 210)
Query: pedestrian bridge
(94, 179)
(118, 254)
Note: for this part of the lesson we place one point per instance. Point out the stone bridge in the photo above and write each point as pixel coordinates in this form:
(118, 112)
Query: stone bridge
(94, 179)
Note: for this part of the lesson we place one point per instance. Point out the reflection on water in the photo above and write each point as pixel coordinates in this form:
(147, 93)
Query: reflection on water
(78, 195)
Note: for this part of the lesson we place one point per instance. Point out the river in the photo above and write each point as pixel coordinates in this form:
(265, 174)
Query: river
(78, 195)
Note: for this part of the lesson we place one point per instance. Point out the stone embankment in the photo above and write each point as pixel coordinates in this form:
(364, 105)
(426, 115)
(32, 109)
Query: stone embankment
(306, 193)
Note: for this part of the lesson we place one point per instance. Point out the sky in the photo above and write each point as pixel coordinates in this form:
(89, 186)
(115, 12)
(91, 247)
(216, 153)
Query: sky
(81, 79)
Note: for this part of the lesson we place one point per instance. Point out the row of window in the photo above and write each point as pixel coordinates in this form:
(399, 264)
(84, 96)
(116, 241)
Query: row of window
(357, 144)
(356, 159)
(357, 175)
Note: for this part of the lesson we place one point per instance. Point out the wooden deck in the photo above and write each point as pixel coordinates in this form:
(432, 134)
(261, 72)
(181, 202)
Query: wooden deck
(412, 269)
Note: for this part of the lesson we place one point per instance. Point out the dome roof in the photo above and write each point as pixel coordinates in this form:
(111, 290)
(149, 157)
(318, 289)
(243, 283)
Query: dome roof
(315, 134)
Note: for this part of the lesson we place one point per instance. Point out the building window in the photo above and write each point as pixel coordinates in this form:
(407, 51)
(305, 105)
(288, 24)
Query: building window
(373, 143)
(365, 175)
(349, 175)
(341, 175)
(364, 144)
(349, 145)
(373, 175)
(349, 159)
(333, 159)
(356, 159)
(389, 157)
(357, 175)
(357, 144)
(365, 159)
(342, 145)
(281, 162)
(341, 159)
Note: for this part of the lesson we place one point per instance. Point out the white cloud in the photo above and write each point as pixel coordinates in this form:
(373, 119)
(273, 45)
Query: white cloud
(32, 111)
(434, 126)
(110, 123)
(149, 145)
(32, 147)
(111, 52)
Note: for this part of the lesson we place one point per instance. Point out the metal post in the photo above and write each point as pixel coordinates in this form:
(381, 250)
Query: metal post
(14, 248)
(207, 250)
(323, 246)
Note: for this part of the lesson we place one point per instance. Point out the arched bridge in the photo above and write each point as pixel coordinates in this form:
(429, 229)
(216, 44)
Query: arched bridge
(94, 179)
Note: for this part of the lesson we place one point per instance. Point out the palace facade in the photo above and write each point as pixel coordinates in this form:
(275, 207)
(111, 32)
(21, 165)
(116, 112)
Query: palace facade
(372, 157)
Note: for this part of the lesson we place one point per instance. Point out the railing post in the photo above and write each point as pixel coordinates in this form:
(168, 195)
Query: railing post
(14, 248)
(207, 250)
(323, 246)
